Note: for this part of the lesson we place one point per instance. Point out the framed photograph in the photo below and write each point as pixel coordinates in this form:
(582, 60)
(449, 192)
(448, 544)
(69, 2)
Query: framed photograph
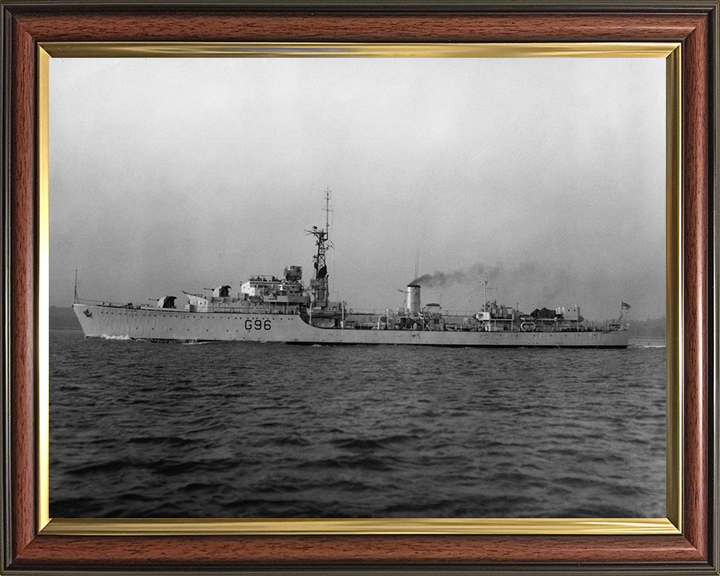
(360, 287)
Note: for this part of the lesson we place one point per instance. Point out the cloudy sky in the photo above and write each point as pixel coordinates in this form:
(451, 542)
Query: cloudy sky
(547, 176)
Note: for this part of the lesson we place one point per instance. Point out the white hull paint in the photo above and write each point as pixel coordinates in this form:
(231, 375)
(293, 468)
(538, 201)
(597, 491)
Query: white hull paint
(172, 324)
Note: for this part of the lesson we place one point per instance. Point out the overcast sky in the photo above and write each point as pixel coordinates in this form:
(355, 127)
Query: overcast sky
(546, 175)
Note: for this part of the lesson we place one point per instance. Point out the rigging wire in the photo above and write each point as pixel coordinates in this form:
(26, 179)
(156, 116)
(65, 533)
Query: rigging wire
(460, 300)
(365, 268)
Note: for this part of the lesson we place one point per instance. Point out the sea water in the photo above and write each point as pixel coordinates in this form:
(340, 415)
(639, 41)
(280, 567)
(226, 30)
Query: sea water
(141, 429)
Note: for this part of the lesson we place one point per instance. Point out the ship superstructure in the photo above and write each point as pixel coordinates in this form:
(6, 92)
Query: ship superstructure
(283, 309)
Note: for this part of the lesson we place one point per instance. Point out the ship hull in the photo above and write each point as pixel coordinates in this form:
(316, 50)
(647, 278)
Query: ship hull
(143, 324)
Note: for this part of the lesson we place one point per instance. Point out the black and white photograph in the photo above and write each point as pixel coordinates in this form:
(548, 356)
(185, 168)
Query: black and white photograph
(357, 287)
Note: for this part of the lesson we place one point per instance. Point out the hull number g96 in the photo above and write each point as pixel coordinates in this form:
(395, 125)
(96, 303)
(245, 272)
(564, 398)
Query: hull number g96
(258, 324)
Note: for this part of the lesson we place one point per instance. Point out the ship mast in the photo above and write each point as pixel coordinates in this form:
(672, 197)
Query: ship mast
(327, 210)
(320, 284)
(485, 289)
(485, 294)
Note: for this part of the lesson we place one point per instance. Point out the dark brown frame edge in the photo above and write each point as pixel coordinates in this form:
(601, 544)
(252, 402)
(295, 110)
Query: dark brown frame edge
(25, 23)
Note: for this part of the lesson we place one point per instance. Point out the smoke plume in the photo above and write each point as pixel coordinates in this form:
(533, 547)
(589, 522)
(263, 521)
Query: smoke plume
(473, 275)
(532, 285)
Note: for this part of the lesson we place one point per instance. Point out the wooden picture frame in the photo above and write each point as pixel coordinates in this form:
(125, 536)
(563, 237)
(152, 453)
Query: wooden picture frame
(28, 547)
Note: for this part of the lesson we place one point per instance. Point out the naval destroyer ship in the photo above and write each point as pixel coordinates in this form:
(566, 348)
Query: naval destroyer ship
(285, 310)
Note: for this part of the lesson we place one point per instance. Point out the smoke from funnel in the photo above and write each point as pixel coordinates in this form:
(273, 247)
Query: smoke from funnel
(533, 285)
(472, 275)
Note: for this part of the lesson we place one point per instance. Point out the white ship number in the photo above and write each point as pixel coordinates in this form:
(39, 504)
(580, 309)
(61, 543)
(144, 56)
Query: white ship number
(258, 324)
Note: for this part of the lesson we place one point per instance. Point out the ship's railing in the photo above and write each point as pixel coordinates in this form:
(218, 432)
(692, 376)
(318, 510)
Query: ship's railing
(375, 312)
(369, 312)
(104, 303)
(394, 312)
(235, 310)
(204, 310)
(464, 313)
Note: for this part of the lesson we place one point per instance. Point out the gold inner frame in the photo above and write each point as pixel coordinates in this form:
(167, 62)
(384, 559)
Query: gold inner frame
(671, 52)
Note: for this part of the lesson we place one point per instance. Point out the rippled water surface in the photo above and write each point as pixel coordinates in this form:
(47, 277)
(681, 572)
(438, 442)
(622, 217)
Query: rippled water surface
(269, 430)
